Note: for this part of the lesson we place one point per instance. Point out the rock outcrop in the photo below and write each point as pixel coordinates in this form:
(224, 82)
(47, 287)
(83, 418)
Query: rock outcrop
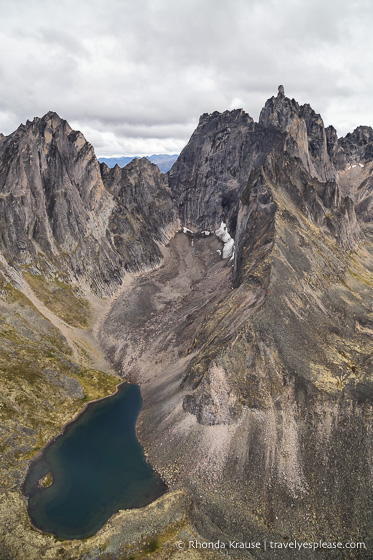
(213, 402)
(306, 136)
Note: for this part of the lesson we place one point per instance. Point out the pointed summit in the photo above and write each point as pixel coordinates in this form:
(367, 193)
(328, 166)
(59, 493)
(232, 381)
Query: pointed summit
(306, 137)
(51, 115)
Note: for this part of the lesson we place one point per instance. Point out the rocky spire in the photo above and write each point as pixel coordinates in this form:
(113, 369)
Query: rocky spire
(306, 137)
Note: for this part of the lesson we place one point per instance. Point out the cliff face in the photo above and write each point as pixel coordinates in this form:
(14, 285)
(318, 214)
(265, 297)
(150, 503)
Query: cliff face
(306, 137)
(57, 214)
(51, 183)
(353, 156)
(357, 146)
(144, 213)
(256, 372)
(212, 170)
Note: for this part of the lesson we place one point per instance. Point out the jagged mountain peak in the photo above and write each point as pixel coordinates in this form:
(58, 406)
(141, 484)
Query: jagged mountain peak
(361, 135)
(136, 166)
(279, 111)
(284, 113)
(50, 117)
(50, 120)
(65, 213)
(142, 163)
(226, 118)
(355, 147)
(306, 135)
(51, 127)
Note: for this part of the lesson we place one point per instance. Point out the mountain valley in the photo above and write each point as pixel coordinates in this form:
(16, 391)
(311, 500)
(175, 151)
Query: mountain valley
(256, 370)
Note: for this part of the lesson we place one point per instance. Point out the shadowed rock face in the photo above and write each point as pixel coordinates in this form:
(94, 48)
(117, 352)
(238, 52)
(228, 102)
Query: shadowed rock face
(357, 146)
(353, 156)
(212, 170)
(256, 373)
(144, 213)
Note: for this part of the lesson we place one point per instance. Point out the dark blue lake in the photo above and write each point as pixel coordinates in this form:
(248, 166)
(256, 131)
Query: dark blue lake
(98, 467)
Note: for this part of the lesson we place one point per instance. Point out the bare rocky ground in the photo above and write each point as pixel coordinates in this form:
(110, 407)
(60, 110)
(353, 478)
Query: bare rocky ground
(271, 471)
(153, 320)
(148, 334)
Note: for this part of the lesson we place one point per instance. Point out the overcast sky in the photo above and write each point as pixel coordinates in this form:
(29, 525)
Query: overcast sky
(134, 76)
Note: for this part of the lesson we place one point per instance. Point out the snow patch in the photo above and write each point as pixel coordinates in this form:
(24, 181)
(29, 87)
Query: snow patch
(228, 248)
(348, 168)
(186, 230)
(353, 166)
(223, 235)
(205, 232)
(361, 165)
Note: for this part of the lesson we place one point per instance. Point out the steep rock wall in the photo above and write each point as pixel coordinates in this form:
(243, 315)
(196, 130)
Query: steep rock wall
(212, 170)
(306, 137)
(58, 217)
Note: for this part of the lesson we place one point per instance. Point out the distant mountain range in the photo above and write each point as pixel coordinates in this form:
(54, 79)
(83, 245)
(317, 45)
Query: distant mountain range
(163, 161)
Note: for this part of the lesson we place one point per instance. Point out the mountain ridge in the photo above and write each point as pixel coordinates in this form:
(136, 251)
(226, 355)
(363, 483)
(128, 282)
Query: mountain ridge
(163, 161)
(255, 370)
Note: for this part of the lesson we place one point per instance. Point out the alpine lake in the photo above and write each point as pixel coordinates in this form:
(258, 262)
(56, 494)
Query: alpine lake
(92, 470)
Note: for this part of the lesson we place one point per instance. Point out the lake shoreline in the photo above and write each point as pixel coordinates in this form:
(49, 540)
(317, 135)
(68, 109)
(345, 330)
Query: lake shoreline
(41, 451)
(40, 455)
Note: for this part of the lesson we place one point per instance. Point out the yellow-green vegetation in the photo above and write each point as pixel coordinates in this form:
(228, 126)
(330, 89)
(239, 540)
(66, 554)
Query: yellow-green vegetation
(363, 278)
(42, 388)
(47, 480)
(10, 294)
(60, 298)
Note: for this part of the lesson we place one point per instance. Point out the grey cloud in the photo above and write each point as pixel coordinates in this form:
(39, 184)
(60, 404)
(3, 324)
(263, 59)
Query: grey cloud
(134, 74)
